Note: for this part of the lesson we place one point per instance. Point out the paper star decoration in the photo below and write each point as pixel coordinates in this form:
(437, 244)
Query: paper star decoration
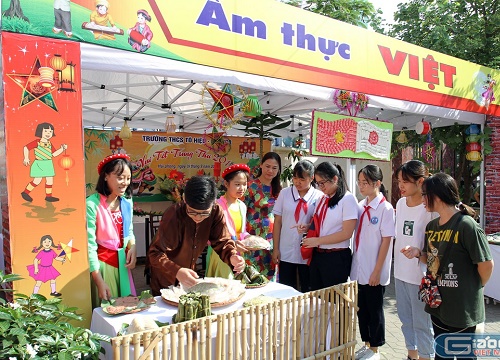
(68, 249)
(32, 90)
(224, 102)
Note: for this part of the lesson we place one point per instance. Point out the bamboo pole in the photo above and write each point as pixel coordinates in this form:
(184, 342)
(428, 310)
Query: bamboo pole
(230, 336)
(164, 342)
(264, 339)
(180, 342)
(189, 340)
(282, 330)
(219, 336)
(237, 337)
(116, 345)
(244, 338)
(173, 341)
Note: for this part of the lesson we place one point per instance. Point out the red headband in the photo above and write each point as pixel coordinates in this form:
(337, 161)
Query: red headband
(109, 158)
(234, 168)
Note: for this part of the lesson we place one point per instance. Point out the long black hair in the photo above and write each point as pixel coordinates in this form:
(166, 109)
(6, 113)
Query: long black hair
(328, 171)
(444, 187)
(276, 181)
(413, 170)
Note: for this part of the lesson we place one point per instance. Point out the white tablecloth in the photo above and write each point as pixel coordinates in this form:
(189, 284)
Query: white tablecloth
(161, 311)
(492, 288)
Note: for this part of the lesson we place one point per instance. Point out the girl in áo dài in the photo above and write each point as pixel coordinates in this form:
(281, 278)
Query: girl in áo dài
(371, 262)
(262, 193)
(235, 211)
(292, 211)
(111, 240)
(411, 220)
(336, 214)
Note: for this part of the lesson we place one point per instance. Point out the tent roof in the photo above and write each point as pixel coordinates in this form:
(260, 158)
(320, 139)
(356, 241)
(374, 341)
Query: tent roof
(140, 90)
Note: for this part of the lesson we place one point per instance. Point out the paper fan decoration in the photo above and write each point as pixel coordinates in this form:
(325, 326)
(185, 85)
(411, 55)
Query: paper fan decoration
(222, 106)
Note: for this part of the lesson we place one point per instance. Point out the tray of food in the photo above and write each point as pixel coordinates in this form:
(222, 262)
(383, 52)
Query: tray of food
(128, 304)
(253, 243)
(221, 291)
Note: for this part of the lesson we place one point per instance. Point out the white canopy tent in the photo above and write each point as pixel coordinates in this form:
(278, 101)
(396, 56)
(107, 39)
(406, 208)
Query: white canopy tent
(120, 84)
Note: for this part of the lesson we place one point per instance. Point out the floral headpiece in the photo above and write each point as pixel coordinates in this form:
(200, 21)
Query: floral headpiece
(109, 158)
(234, 168)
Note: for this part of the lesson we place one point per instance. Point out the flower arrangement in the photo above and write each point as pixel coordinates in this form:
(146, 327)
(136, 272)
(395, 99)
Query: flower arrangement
(34, 327)
(172, 186)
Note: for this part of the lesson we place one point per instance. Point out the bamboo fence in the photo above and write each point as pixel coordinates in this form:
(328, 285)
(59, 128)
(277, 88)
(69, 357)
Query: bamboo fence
(315, 325)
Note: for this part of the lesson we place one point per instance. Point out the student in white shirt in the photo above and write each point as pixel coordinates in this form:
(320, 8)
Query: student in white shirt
(411, 219)
(294, 207)
(371, 263)
(335, 215)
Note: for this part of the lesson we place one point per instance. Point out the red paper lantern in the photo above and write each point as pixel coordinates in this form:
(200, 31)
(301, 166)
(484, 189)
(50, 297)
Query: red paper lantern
(66, 162)
(423, 128)
(473, 146)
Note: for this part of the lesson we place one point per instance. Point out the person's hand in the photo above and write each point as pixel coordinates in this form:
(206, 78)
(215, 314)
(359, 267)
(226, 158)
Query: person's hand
(187, 277)
(374, 278)
(411, 252)
(131, 258)
(145, 42)
(301, 228)
(310, 242)
(238, 263)
(104, 291)
(240, 247)
(276, 256)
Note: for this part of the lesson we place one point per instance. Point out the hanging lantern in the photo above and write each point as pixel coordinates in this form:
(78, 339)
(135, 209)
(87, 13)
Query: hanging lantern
(252, 146)
(473, 156)
(401, 138)
(423, 127)
(473, 129)
(67, 78)
(66, 162)
(217, 169)
(170, 124)
(125, 132)
(251, 106)
(46, 76)
(473, 146)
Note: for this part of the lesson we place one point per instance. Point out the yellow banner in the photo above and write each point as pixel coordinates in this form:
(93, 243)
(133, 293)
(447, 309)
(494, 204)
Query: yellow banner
(269, 38)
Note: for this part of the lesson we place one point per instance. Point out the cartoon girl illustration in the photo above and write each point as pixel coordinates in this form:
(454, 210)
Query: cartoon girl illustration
(43, 166)
(42, 269)
(140, 35)
(101, 17)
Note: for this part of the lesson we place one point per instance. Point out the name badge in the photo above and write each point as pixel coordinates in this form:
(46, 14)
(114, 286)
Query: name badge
(374, 220)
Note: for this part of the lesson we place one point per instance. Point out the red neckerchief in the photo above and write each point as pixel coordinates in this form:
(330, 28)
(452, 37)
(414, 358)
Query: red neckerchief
(321, 213)
(367, 211)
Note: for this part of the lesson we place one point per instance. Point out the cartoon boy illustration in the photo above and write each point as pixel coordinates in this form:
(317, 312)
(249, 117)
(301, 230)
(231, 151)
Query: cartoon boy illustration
(43, 166)
(62, 17)
(140, 35)
(101, 17)
(42, 269)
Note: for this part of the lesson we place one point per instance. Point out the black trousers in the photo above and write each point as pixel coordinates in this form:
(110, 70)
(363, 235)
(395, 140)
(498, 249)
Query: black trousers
(371, 317)
(441, 328)
(328, 269)
(289, 273)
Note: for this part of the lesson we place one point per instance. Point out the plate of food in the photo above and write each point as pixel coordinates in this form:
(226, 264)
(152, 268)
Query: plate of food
(221, 291)
(128, 304)
(254, 242)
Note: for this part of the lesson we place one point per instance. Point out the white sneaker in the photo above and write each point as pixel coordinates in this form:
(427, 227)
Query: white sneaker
(370, 355)
(361, 352)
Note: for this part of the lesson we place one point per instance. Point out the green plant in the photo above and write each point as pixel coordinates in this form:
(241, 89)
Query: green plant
(34, 327)
(263, 126)
(294, 155)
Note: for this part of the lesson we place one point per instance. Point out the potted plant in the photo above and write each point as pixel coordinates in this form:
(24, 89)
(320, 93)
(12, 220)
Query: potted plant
(263, 126)
(34, 327)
